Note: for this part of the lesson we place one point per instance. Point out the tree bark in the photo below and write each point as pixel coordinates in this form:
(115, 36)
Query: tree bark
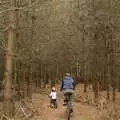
(8, 100)
(29, 90)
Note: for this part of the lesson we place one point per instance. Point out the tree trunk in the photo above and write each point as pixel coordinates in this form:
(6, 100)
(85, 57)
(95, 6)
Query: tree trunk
(85, 86)
(85, 79)
(29, 90)
(114, 94)
(119, 85)
(8, 101)
(95, 88)
(108, 93)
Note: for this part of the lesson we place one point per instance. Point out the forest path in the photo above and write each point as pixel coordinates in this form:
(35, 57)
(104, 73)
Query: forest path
(81, 111)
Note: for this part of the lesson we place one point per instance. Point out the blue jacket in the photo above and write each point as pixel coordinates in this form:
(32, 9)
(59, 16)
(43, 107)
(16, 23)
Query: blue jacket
(68, 83)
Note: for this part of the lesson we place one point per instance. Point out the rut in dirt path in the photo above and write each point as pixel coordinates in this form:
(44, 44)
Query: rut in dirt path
(81, 112)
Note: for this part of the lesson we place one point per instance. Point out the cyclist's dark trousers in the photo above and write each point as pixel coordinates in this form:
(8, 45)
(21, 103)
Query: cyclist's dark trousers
(65, 91)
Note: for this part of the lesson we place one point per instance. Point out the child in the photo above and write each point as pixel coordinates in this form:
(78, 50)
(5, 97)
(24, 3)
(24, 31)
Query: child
(53, 97)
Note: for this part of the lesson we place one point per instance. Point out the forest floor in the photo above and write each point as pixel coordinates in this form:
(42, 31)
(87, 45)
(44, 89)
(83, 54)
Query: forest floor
(81, 111)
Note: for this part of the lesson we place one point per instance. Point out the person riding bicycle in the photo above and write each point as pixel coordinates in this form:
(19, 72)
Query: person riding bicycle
(68, 86)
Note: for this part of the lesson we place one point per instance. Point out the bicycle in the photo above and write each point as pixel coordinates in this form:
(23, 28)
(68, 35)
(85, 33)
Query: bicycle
(68, 105)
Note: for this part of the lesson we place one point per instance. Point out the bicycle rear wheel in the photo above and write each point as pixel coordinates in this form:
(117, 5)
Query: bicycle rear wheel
(68, 109)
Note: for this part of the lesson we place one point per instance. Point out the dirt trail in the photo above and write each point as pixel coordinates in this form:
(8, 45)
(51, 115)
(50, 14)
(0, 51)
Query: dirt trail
(81, 111)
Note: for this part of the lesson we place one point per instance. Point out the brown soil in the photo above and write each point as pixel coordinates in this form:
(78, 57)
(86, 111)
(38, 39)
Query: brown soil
(81, 111)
